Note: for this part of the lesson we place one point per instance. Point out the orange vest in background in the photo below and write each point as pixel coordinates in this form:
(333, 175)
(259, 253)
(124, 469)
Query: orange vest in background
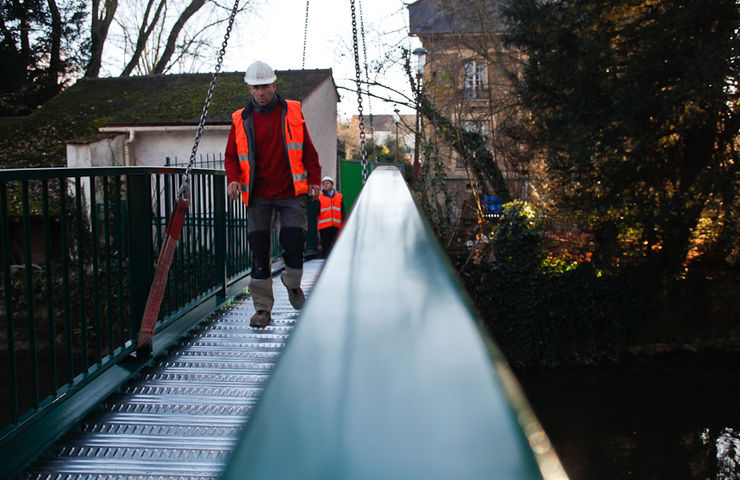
(330, 211)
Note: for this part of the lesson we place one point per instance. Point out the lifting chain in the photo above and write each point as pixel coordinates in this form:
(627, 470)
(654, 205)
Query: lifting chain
(363, 154)
(367, 90)
(303, 60)
(185, 188)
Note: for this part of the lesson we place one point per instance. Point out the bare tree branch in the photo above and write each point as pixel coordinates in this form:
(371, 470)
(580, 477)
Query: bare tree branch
(194, 6)
(144, 32)
(101, 21)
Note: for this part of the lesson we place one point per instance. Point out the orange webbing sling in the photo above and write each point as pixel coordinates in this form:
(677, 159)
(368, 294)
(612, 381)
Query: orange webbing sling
(156, 292)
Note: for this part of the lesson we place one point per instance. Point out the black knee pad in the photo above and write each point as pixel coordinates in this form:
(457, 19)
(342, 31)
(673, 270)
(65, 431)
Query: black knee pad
(259, 243)
(293, 240)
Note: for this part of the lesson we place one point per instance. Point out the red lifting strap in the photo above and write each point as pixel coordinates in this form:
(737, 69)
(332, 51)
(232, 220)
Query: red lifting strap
(154, 302)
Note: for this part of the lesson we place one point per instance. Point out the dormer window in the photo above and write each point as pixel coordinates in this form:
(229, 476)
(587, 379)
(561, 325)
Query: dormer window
(476, 84)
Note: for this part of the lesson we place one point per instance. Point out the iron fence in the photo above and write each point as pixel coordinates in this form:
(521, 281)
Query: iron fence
(209, 160)
(78, 252)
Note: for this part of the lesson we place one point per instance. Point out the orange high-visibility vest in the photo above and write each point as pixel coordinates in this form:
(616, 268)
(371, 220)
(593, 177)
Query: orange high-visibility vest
(292, 138)
(330, 211)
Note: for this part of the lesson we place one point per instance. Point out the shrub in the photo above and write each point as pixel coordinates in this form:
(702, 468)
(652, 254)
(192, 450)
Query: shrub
(517, 240)
(543, 311)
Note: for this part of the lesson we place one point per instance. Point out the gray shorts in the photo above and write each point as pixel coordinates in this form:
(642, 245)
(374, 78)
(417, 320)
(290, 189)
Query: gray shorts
(289, 212)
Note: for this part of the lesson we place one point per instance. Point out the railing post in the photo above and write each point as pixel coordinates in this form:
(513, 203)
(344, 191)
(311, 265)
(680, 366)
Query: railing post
(8, 290)
(219, 234)
(140, 246)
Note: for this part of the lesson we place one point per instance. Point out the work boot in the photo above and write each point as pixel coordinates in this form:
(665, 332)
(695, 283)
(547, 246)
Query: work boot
(291, 278)
(261, 290)
(260, 319)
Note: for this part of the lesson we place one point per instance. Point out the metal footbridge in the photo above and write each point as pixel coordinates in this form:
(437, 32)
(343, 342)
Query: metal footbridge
(385, 373)
(181, 417)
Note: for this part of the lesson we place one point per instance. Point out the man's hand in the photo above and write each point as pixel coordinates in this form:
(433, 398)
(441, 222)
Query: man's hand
(233, 190)
(313, 191)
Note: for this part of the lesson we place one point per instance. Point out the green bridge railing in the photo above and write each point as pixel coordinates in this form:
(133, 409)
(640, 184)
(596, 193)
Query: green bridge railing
(78, 249)
(388, 372)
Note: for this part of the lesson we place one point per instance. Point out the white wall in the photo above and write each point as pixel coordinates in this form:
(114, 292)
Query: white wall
(151, 148)
(102, 153)
(105, 152)
(320, 111)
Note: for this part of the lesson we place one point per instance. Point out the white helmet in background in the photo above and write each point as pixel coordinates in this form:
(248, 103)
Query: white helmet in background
(259, 73)
(327, 178)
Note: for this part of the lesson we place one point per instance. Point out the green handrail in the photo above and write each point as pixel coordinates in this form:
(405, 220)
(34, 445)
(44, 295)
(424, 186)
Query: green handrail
(388, 373)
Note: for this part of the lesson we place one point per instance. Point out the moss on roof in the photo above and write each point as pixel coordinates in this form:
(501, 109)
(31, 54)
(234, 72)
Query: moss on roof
(77, 113)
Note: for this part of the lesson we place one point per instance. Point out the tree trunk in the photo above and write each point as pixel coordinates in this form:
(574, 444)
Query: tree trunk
(194, 6)
(55, 61)
(25, 42)
(98, 33)
(677, 235)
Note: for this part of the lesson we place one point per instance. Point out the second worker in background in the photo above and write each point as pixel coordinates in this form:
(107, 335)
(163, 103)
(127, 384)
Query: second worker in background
(331, 215)
(273, 166)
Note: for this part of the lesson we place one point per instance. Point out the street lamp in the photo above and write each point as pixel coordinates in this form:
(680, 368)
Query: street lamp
(396, 119)
(421, 57)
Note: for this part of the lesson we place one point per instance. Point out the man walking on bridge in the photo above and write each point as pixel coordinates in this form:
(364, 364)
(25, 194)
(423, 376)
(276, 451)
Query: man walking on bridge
(273, 166)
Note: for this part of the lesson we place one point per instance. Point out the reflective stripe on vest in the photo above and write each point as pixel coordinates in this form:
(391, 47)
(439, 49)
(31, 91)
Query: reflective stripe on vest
(293, 140)
(330, 211)
(293, 135)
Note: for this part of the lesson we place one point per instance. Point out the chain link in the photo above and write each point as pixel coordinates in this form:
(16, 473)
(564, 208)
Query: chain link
(185, 188)
(303, 60)
(367, 89)
(363, 154)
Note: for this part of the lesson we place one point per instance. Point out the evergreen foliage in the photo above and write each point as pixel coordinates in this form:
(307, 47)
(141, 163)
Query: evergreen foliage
(544, 318)
(636, 103)
(37, 47)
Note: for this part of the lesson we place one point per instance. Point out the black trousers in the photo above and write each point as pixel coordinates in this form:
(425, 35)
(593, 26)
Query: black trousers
(261, 216)
(328, 237)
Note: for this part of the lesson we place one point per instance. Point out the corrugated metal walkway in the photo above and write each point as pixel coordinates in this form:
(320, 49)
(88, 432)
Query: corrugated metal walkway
(184, 415)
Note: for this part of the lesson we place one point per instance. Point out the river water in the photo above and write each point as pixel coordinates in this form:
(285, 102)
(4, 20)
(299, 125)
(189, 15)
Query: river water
(669, 418)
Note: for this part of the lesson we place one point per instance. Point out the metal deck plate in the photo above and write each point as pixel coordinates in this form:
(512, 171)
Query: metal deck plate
(183, 416)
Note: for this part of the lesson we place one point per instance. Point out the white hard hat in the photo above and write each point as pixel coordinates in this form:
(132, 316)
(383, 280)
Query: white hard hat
(327, 178)
(259, 73)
